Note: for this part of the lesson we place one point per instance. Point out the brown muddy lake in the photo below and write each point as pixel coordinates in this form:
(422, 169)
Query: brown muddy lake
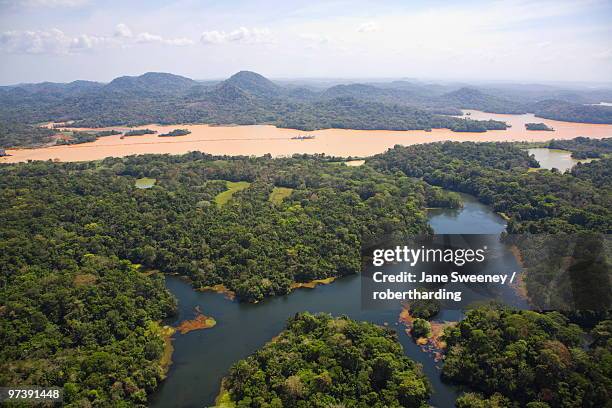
(261, 139)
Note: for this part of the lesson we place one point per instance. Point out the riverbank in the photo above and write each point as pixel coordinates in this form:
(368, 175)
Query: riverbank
(258, 140)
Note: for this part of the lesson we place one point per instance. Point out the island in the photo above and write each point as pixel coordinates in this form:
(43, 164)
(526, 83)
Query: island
(176, 132)
(539, 126)
(323, 361)
(139, 132)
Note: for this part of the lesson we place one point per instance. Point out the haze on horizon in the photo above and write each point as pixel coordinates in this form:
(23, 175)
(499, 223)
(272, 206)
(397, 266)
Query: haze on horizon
(475, 40)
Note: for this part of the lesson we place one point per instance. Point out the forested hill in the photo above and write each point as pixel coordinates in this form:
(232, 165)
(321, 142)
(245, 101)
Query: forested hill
(250, 98)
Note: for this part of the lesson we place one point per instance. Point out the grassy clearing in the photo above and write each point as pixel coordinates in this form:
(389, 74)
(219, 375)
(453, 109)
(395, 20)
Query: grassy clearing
(224, 399)
(355, 163)
(145, 182)
(278, 194)
(232, 187)
(166, 333)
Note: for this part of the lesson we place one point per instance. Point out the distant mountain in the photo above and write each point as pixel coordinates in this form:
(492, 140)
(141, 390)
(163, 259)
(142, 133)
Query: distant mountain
(151, 82)
(254, 84)
(376, 93)
(228, 93)
(248, 98)
(470, 98)
(54, 88)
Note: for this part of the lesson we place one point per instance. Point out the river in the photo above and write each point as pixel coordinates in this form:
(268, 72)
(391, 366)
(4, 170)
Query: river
(261, 139)
(202, 358)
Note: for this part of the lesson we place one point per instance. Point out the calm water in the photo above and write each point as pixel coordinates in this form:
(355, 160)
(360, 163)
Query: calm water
(261, 139)
(559, 159)
(202, 358)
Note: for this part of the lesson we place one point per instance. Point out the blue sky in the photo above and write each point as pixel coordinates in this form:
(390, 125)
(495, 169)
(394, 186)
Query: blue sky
(519, 40)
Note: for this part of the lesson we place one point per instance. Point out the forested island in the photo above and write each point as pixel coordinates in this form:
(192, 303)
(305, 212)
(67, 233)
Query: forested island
(538, 126)
(319, 361)
(82, 309)
(139, 132)
(176, 132)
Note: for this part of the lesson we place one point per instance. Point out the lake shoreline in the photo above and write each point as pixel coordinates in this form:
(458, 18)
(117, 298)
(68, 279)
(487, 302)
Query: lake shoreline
(258, 140)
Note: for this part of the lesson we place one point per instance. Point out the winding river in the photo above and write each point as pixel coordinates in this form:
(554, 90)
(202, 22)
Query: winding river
(202, 358)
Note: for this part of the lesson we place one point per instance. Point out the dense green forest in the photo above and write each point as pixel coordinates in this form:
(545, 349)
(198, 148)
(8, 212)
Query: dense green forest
(18, 134)
(176, 132)
(85, 322)
(572, 112)
(139, 132)
(76, 310)
(496, 173)
(584, 147)
(318, 361)
(538, 126)
(528, 359)
(251, 245)
(542, 202)
(80, 311)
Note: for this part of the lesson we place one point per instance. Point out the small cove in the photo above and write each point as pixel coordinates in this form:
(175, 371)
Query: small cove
(203, 357)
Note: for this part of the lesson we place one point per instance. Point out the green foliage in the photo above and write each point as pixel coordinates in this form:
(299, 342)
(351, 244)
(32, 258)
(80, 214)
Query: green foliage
(420, 328)
(232, 187)
(473, 400)
(176, 132)
(246, 98)
(584, 147)
(14, 134)
(81, 322)
(78, 137)
(278, 194)
(469, 125)
(538, 126)
(496, 173)
(319, 361)
(139, 132)
(572, 112)
(531, 359)
(424, 309)
(253, 246)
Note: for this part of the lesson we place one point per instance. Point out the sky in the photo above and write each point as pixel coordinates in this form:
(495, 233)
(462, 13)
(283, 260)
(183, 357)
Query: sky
(511, 40)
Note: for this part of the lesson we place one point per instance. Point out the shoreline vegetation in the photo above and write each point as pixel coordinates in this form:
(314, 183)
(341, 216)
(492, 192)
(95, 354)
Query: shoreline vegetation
(286, 371)
(199, 322)
(312, 233)
(248, 98)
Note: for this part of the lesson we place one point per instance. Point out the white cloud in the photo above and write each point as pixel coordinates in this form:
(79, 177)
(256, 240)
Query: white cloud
(55, 41)
(368, 27)
(241, 35)
(148, 38)
(123, 31)
(86, 42)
